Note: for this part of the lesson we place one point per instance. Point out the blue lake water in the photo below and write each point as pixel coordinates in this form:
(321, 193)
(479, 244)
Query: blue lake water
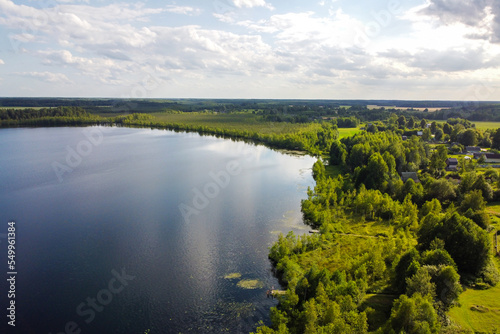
(121, 230)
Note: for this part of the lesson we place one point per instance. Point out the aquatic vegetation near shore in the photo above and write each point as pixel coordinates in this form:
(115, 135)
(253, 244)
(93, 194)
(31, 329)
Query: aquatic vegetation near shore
(250, 284)
(232, 276)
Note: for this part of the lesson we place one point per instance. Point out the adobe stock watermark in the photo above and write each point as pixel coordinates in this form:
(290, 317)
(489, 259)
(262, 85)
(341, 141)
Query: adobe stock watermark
(87, 309)
(141, 90)
(210, 190)
(74, 156)
(381, 19)
(224, 6)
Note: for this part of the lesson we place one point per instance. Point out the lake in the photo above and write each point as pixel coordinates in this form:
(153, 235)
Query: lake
(122, 230)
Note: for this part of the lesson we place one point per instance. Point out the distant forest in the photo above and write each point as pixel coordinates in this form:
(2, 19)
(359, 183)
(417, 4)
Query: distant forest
(299, 111)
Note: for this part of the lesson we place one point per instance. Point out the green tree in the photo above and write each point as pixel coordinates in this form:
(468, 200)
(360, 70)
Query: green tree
(402, 121)
(474, 201)
(414, 314)
(484, 186)
(338, 153)
(318, 170)
(442, 189)
(467, 243)
(468, 137)
(427, 135)
(420, 283)
(495, 139)
(375, 174)
(411, 123)
(438, 160)
(439, 135)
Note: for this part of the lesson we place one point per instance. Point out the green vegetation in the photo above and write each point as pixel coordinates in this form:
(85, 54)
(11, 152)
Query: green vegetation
(403, 232)
(479, 310)
(232, 276)
(250, 284)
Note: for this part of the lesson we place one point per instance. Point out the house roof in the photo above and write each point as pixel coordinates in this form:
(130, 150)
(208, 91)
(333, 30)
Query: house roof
(473, 149)
(452, 161)
(492, 156)
(487, 155)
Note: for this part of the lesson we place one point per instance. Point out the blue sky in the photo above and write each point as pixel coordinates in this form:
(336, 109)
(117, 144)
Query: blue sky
(334, 49)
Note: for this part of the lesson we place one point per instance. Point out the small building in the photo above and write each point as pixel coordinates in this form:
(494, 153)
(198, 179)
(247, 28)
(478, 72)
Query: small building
(405, 176)
(404, 137)
(452, 164)
(420, 133)
(472, 149)
(491, 157)
(488, 157)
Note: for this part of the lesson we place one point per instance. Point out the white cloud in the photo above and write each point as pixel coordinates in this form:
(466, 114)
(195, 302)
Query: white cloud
(47, 76)
(252, 3)
(185, 10)
(2, 62)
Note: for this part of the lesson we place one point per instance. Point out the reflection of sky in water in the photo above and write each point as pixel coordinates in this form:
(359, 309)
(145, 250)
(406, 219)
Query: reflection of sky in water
(120, 209)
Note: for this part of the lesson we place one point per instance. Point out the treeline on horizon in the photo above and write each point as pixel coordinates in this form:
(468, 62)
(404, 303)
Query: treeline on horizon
(288, 110)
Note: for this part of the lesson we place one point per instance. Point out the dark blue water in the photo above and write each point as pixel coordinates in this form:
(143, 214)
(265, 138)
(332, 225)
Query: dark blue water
(122, 230)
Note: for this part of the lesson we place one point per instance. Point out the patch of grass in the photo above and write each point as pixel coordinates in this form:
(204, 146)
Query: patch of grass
(348, 132)
(493, 208)
(357, 237)
(479, 310)
(250, 284)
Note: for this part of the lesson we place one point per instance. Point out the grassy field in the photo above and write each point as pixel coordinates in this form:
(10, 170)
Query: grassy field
(479, 310)
(347, 132)
(21, 108)
(487, 125)
(235, 121)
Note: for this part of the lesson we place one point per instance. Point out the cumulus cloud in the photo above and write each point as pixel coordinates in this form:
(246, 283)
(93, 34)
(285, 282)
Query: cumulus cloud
(185, 10)
(482, 15)
(2, 62)
(47, 76)
(251, 4)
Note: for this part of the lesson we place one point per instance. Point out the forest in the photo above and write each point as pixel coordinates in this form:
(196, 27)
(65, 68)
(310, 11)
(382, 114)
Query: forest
(406, 213)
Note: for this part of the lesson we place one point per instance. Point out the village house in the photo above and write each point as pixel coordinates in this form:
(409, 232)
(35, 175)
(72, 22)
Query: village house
(472, 149)
(452, 164)
(488, 157)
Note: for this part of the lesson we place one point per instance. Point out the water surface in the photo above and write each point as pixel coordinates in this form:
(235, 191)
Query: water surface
(94, 203)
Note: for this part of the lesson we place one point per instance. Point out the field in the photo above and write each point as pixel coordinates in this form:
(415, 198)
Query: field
(234, 121)
(240, 121)
(371, 107)
(479, 310)
(347, 132)
(487, 125)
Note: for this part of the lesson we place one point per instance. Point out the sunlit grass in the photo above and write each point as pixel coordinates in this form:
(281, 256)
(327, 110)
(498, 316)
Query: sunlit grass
(479, 310)
(348, 132)
(487, 125)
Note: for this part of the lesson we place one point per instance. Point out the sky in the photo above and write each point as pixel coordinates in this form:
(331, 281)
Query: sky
(314, 49)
